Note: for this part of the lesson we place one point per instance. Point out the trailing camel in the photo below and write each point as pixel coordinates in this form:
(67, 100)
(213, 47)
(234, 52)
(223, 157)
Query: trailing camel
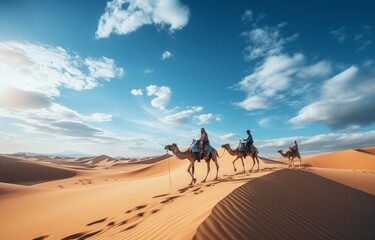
(190, 155)
(291, 154)
(240, 155)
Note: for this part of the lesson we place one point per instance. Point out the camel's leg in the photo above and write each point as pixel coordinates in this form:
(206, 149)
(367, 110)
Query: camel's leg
(191, 166)
(208, 170)
(243, 165)
(256, 157)
(234, 166)
(252, 156)
(217, 169)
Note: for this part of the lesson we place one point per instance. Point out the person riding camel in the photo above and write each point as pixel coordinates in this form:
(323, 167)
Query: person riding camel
(249, 141)
(295, 147)
(204, 141)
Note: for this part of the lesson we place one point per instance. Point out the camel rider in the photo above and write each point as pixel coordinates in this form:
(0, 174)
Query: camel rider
(295, 147)
(249, 141)
(204, 139)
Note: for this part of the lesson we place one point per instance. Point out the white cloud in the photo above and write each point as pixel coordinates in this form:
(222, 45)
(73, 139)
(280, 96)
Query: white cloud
(149, 71)
(163, 95)
(229, 137)
(274, 75)
(99, 117)
(264, 122)
(369, 63)
(136, 92)
(265, 41)
(166, 55)
(103, 68)
(364, 38)
(31, 78)
(247, 16)
(44, 69)
(274, 78)
(15, 98)
(125, 16)
(59, 121)
(339, 34)
(318, 70)
(278, 77)
(181, 117)
(253, 102)
(206, 118)
(346, 99)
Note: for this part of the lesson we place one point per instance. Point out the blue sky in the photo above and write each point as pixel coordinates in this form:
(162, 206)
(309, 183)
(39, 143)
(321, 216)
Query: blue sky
(125, 78)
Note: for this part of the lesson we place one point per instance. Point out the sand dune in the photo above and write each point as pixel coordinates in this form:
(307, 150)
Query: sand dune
(329, 196)
(14, 170)
(348, 159)
(370, 150)
(291, 204)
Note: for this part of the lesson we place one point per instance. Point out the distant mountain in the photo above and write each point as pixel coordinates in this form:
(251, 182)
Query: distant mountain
(67, 154)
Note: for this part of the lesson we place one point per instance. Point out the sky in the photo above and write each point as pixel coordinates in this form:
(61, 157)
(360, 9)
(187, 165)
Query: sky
(125, 78)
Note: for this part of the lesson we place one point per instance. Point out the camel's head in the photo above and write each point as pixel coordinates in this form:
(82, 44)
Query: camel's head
(280, 151)
(225, 145)
(171, 147)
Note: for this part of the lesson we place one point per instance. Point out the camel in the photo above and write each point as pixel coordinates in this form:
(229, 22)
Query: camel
(240, 155)
(188, 154)
(290, 153)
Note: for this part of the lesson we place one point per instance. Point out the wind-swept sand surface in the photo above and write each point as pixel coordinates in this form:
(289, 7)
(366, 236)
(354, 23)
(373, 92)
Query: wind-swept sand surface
(329, 196)
(291, 204)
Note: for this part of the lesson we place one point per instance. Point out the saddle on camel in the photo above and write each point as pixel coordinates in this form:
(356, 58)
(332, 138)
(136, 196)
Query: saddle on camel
(246, 149)
(199, 151)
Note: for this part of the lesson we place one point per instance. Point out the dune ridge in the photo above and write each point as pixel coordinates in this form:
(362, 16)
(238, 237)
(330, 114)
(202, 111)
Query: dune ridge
(347, 159)
(290, 204)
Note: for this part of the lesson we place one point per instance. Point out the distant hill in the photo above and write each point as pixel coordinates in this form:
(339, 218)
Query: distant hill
(69, 154)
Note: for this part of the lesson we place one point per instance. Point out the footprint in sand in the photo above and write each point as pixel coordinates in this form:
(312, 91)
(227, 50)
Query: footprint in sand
(130, 227)
(155, 211)
(81, 235)
(136, 208)
(41, 237)
(161, 195)
(197, 190)
(169, 199)
(111, 224)
(182, 190)
(136, 219)
(96, 222)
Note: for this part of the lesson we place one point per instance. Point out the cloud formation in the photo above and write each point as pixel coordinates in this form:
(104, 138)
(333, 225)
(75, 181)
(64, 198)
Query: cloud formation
(31, 78)
(60, 121)
(339, 34)
(181, 117)
(137, 92)
(206, 118)
(163, 95)
(125, 16)
(44, 69)
(346, 99)
(277, 77)
(265, 41)
(229, 137)
(17, 99)
(166, 55)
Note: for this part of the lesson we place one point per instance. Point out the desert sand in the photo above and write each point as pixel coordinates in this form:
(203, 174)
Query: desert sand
(330, 196)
